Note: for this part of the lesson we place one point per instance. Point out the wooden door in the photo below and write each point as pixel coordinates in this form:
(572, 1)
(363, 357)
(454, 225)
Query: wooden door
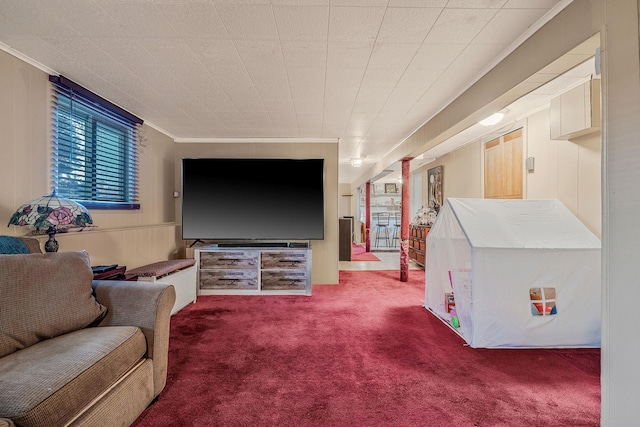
(512, 165)
(493, 169)
(503, 167)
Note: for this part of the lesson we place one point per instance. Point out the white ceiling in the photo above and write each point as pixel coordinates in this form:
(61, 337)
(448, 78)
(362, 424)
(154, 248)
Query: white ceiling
(366, 73)
(513, 114)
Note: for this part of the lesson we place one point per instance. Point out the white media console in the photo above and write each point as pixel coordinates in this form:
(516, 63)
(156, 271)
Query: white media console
(253, 270)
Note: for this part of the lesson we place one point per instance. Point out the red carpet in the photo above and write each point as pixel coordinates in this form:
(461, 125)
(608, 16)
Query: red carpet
(358, 254)
(362, 353)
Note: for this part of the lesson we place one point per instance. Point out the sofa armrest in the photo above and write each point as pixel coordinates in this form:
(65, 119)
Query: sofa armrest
(146, 305)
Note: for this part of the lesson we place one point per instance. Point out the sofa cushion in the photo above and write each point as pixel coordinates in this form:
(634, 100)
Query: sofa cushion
(43, 296)
(50, 382)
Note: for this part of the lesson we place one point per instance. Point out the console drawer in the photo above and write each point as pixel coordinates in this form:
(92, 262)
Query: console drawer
(229, 279)
(283, 260)
(284, 280)
(228, 259)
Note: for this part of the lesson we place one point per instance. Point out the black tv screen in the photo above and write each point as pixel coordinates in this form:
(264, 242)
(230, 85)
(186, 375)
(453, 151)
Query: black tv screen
(252, 199)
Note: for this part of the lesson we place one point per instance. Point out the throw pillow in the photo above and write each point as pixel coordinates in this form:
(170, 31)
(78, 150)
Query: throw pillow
(43, 296)
(12, 245)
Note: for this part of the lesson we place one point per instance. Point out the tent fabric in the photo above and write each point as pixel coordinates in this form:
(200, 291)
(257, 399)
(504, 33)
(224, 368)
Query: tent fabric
(523, 273)
(540, 224)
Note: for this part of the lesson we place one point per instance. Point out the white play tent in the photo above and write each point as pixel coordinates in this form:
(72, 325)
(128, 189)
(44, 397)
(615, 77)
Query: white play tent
(523, 273)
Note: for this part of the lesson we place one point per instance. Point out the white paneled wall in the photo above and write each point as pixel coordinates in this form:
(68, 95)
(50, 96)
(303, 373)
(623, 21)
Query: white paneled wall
(133, 247)
(566, 170)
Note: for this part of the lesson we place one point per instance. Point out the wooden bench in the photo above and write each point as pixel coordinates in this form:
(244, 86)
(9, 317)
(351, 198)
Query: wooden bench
(181, 273)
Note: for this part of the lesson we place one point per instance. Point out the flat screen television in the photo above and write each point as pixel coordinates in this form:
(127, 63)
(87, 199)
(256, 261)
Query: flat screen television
(252, 199)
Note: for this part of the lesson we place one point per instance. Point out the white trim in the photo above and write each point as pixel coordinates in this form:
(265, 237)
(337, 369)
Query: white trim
(256, 140)
(159, 129)
(30, 61)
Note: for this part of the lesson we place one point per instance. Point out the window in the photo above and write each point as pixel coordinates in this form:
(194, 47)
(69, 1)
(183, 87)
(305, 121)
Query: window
(94, 148)
(543, 301)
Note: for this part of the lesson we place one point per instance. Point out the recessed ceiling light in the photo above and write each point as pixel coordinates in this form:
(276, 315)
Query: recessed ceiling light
(492, 119)
(356, 162)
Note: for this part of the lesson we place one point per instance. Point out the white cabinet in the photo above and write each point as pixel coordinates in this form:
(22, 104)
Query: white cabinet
(181, 273)
(576, 112)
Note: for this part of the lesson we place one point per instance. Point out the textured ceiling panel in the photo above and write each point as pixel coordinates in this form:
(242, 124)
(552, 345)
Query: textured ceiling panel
(366, 72)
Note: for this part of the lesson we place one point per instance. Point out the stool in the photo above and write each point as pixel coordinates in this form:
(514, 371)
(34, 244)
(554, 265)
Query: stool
(396, 229)
(181, 273)
(382, 231)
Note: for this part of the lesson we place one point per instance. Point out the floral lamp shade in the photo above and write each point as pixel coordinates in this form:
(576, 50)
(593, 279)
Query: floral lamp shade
(53, 213)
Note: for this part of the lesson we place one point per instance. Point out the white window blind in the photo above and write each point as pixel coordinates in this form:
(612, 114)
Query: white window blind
(94, 148)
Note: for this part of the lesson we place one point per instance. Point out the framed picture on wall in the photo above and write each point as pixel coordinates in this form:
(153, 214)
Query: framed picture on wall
(390, 188)
(434, 176)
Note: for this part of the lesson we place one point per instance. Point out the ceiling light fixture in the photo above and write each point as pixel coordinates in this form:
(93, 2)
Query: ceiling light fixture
(356, 162)
(492, 119)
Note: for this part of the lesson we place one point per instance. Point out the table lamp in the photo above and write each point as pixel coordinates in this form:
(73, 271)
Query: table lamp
(53, 213)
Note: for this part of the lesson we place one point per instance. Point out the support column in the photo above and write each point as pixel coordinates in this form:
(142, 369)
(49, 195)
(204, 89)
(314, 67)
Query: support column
(367, 221)
(620, 375)
(404, 222)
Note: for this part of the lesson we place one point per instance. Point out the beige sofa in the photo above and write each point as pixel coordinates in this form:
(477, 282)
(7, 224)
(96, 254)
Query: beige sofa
(74, 351)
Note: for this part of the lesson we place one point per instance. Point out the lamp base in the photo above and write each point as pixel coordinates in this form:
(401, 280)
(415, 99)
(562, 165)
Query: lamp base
(51, 245)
